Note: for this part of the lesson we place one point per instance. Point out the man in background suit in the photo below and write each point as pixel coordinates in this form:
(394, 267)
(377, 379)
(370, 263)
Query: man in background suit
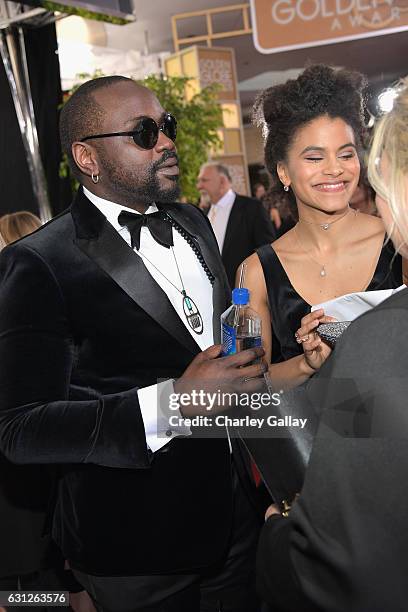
(240, 224)
(120, 291)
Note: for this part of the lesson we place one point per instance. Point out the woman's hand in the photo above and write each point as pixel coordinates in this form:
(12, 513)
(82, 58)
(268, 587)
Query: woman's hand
(81, 602)
(271, 510)
(315, 350)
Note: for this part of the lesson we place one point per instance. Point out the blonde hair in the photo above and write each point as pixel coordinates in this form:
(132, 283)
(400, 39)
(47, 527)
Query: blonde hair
(16, 225)
(391, 138)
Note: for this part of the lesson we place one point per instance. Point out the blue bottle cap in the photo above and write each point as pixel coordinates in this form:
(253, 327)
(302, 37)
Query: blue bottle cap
(240, 297)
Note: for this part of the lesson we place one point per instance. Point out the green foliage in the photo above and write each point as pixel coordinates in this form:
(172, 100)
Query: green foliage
(81, 77)
(65, 173)
(198, 120)
(72, 10)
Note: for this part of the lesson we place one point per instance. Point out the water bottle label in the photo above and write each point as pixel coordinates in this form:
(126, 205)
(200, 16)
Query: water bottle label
(248, 342)
(229, 340)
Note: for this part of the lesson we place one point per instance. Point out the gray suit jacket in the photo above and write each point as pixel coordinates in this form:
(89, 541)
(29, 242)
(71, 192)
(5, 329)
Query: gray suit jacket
(345, 544)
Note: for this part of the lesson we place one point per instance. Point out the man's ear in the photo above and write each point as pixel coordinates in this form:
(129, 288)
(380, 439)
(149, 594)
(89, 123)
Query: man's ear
(283, 173)
(225, 183)
(85, 157)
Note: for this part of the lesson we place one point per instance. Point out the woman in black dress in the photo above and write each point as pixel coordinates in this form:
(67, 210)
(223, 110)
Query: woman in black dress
(344, 545)
(314, 134)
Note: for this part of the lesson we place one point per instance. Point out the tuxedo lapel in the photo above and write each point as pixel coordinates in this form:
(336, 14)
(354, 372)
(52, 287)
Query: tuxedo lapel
(101, 242)
(220, 299)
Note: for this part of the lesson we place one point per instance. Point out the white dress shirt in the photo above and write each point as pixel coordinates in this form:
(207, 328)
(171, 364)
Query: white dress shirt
(197, 285)
(218, 216)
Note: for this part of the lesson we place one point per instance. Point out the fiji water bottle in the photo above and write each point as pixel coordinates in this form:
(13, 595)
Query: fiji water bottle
(241, 327)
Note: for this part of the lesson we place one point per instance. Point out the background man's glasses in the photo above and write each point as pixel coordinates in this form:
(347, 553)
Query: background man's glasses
(146, 132)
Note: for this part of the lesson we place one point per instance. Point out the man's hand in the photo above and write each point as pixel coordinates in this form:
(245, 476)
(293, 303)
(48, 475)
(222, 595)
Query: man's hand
(210, 373)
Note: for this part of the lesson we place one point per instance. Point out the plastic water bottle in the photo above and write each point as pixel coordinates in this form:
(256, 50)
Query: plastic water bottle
(241, 327)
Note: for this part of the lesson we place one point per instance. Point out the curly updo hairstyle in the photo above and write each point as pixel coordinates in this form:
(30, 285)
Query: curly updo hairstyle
(281, 110)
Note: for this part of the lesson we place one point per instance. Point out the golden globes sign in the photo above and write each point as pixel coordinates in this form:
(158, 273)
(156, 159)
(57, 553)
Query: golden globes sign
(282, 25)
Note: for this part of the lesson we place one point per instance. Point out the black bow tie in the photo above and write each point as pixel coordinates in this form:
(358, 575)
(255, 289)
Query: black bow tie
(159, 227)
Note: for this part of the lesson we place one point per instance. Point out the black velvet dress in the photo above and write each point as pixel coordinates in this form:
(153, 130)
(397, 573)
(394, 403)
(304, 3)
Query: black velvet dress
(287, 307)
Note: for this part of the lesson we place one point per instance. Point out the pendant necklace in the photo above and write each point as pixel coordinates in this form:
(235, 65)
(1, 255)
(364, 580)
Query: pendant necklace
(323, 271)
(190, 309)
(326, 226)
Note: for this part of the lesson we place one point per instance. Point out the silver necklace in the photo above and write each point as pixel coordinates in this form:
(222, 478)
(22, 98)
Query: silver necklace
(326, 226)
(190, 309)
(323, 271)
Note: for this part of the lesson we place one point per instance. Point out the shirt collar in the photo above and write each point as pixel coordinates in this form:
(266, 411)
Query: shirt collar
(111, 210)
(227, 199)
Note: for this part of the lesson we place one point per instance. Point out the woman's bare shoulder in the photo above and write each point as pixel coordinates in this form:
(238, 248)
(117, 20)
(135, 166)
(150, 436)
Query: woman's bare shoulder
(285, 244)
(253, 266)
(369, 225)
(282, 245)
(254, 275)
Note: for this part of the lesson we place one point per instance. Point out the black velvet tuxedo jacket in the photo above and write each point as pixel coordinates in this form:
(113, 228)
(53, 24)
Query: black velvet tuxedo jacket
(248, 228)
(344, 546)
(82, 326)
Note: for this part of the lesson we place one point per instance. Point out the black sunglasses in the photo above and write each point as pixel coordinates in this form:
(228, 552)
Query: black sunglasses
(146, 132)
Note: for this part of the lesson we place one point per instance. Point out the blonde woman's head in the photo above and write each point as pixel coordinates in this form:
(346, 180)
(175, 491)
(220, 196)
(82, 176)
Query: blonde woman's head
(388, 169)
(16, 225)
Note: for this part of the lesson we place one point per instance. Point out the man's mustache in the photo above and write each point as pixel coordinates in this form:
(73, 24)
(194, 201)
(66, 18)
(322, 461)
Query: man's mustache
(166, 155)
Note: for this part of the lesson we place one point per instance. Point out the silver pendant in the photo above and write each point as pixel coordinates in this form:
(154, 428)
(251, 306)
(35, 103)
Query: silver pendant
(323, 271)
(192, 314)
(325, 226)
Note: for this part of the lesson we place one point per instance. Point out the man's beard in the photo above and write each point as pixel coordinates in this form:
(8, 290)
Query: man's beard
(141, 183)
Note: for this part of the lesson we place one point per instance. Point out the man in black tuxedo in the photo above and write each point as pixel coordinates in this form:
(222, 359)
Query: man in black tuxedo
(240, 224)
(96, 307)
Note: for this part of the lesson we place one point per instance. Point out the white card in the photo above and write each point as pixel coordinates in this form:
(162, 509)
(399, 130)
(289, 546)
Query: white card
(349, 307)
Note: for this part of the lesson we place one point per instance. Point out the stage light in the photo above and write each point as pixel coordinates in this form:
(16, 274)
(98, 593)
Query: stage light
(386, 100)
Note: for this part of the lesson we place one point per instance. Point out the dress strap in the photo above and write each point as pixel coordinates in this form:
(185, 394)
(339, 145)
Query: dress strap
(272, 268)
(285, 305)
